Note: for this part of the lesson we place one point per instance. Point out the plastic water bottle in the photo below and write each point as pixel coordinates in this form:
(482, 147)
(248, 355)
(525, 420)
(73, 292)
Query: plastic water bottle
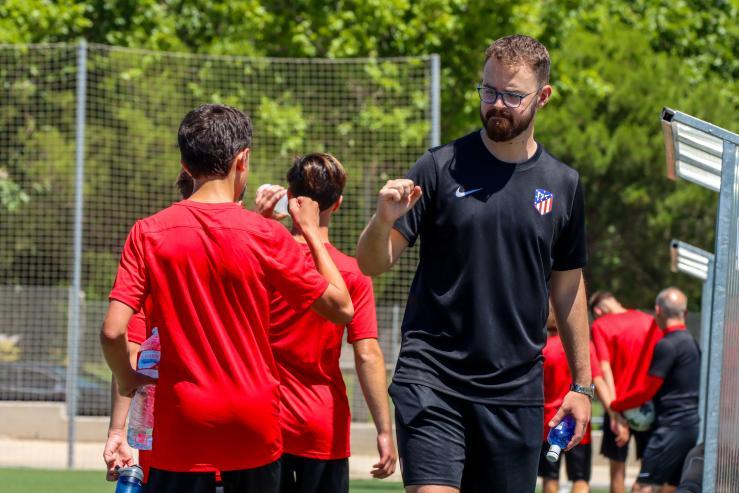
(281, 205)
(130, 480)
(141, 413)
(559, 437)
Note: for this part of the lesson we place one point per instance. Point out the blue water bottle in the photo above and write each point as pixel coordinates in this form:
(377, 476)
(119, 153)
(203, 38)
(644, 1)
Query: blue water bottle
(559, 437)
(130, 480)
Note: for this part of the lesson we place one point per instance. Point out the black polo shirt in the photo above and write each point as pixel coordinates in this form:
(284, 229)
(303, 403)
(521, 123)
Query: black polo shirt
(677, 360)
(491, 233)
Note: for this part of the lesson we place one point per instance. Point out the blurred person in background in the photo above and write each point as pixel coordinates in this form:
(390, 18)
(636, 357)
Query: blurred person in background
(315, 413)
(557, 379)
(673, 384)
(620, 336)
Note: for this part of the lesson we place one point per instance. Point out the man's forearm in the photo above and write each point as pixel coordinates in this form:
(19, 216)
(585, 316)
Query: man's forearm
(568, 299)
(370, 366)
(605, 367)
(374, 248)
(119, 404)
(603, 392)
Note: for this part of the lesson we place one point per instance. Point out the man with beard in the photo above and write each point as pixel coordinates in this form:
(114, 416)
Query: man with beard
(502, 225)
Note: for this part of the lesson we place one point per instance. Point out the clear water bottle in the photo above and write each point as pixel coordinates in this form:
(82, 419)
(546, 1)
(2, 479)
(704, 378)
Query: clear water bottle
(130, 480)
(559, 437)
(141, 413)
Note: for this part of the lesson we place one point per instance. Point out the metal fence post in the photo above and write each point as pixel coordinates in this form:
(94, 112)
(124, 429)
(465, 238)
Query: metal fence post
(724, 269)
(435, 100)
(73, 325)
(706, 308)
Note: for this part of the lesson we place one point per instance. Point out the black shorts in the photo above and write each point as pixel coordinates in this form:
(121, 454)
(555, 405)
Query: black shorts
(264, 479)
(306, 475)
(610, 450)
(578, 462)
(665, 453)
(444, 440)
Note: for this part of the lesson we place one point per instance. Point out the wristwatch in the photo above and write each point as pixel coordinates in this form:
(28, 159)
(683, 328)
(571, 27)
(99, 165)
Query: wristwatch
(581, 389)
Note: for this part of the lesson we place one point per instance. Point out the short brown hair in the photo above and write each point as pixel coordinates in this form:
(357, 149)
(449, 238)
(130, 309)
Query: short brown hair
(597, 297)
(517, 49)
(319, 176)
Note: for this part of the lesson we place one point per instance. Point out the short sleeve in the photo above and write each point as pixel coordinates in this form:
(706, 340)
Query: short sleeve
(599, 341)
(570, 250)
(131, 284)
(662, 359)
(137, 328)
(423, 174)
(290, 272)
(595, 370)
(364, 323)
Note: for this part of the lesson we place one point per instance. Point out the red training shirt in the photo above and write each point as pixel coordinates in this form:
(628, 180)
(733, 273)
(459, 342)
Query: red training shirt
(207, 272)
(315, 412)
(557, 380)
(627, 341)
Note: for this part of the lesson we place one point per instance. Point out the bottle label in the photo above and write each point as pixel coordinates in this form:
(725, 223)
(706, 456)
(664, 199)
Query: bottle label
(149, 358)
(149, 372)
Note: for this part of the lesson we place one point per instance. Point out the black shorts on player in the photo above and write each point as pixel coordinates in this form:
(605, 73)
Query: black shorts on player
(307, 475)
(578, 463)
(665, 454)
(480, 448)
(258, 480)
(611, 451)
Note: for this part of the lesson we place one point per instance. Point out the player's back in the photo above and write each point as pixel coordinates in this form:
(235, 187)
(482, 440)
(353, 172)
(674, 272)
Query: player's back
(207, 271)
(676, 402)
(315, 411)
(627, 339)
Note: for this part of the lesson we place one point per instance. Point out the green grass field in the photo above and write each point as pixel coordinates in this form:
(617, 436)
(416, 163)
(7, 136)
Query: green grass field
(53, 481)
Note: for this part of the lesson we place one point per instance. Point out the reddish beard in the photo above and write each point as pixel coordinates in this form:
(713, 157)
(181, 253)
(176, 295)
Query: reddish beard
(501, 125)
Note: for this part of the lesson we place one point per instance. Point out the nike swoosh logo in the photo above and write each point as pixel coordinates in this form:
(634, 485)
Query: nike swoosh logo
(463, 193)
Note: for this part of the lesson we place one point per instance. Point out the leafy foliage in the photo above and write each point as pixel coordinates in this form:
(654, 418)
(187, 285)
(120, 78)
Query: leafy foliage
(615, 65)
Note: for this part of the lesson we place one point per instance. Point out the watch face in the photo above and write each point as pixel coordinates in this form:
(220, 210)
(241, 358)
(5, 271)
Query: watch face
(589, 391)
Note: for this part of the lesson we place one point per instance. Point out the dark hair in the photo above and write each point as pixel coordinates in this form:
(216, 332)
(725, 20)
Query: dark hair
(319, 176)
(185, 184)
(516, 49)
(597, 297)
(210, 136)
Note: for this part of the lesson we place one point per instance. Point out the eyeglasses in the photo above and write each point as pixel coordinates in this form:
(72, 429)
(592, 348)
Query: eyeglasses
(490, 95)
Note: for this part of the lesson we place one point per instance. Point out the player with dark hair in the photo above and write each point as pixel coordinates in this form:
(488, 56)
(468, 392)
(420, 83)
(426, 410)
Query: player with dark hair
(502, 225)
(206, 269)
(315, 413)
(621, 336)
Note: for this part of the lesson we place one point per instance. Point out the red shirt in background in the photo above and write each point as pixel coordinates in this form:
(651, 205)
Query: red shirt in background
(627, 341)
(315, 412)
(557, 380)
(207, 272)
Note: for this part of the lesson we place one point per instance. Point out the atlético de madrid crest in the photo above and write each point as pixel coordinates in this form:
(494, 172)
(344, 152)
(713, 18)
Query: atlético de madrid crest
(543, 201)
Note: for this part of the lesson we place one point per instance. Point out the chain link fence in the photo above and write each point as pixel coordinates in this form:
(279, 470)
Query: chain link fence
(120, 108)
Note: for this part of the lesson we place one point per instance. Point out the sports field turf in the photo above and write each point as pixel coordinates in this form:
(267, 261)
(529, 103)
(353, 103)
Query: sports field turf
(45, 481)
